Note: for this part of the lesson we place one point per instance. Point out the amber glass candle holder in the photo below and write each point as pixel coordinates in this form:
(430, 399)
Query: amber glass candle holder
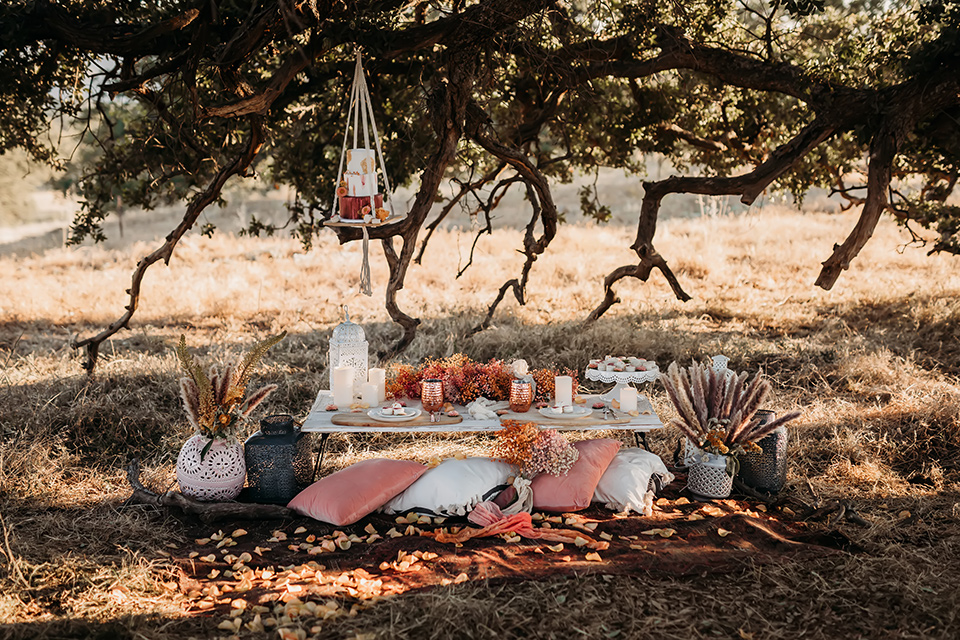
(521, 396)
(431, 396)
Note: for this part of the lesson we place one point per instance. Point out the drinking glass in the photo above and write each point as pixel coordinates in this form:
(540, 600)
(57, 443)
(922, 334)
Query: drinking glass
(521, 396)
(431, 396)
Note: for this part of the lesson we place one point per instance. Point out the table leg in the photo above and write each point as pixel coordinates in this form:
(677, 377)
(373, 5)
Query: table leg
(637, 436)
(318, 461)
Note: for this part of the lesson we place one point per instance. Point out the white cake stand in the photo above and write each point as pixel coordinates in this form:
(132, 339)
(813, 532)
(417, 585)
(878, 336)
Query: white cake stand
(622, 379)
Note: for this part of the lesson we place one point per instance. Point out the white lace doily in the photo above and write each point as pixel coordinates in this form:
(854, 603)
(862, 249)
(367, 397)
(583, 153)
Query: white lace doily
(622, 378)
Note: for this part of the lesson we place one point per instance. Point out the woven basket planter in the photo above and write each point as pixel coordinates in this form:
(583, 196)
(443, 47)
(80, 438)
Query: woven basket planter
(708, 477)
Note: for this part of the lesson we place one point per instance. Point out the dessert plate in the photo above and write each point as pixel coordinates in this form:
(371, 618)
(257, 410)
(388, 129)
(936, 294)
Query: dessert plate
(578, 412)
(409, 414)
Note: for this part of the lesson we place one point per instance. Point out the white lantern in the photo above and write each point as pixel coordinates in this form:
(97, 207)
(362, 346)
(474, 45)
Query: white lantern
(348, 348)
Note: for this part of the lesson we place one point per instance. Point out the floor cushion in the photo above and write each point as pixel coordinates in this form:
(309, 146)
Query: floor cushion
(453, 487)
(632, 479)
(574, 491)
(348, 495)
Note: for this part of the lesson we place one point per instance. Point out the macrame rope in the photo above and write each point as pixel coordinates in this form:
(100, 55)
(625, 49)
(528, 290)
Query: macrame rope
(387, 194)
(357, 75)
(360, 111)
(351, 109)
(365, 269)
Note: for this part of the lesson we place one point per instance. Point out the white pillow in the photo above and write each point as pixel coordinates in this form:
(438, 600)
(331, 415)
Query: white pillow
(631, 481)
(454, 487)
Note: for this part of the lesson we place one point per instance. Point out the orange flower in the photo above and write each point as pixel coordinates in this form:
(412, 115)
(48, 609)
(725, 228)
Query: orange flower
(342, 191)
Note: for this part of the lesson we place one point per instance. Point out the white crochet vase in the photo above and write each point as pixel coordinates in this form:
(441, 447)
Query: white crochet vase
(218, 476)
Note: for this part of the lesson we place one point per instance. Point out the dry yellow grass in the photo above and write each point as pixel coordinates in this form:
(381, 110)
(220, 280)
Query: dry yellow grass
(872, 364)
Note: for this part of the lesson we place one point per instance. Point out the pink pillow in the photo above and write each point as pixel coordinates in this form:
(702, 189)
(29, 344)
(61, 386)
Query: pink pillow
(344, 497)
(574, 491)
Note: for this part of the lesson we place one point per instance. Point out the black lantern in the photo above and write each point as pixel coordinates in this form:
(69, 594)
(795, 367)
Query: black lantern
(278, 460)
(766, 470)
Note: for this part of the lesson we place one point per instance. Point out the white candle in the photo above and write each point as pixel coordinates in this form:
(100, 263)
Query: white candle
(628, 399)
(343, 387)
(379, 378)
(564, 390)
(369, 394)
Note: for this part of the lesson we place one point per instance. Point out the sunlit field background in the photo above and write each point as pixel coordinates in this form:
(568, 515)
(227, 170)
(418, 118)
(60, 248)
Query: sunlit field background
(873, 365)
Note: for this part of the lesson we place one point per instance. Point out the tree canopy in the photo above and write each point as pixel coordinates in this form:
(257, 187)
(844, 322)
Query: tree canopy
(859, 97)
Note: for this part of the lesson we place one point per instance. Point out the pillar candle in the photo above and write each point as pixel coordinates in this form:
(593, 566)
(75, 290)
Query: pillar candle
(379, 378)
(564, 390)
(343, 387)
(628, 399)
(369, 394)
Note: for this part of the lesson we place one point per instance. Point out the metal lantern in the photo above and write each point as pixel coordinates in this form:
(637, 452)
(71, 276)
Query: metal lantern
(767, 470)
(348, 348)
(278, 460)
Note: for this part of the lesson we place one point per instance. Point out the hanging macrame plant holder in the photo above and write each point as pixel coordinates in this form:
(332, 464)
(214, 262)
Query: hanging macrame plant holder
(358, 201)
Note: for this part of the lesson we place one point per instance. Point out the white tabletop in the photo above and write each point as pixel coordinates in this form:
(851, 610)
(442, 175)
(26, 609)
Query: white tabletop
(320, 420)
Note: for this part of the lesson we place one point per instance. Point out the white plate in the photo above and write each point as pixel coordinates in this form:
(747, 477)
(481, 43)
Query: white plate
(578, 412)
(409, 414)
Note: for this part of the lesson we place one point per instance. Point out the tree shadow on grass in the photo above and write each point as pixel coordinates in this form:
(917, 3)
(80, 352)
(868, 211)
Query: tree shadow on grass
(130, 627)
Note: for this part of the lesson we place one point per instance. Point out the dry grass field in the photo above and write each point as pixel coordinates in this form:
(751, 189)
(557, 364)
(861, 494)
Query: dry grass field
(874, 365)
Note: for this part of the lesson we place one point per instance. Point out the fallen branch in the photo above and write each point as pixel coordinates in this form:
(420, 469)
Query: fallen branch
(839, 509)
(207, 511)
(750, 492)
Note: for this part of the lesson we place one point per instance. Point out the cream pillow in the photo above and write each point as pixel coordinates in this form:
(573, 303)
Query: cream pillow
(632, 479)
(453, 487)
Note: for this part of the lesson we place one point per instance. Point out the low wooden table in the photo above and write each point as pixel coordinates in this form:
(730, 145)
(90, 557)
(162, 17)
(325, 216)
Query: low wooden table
(321, 421)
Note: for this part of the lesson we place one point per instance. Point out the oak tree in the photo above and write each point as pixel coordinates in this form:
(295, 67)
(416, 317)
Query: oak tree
(743, 96)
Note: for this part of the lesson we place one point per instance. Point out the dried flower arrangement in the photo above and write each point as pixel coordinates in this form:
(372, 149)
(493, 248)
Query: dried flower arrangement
(718, 408)
(465, 380)
(534, 450)
(214, 399)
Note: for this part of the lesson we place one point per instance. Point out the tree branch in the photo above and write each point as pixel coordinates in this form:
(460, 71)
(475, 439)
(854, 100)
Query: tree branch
(493, 201)
(123, 39)
(465, 188)
(883, 150)
(463, 31)
(538, 189)
(693, 139)
(449, 104)
(207, 511)
(748, 186)
(165, 251)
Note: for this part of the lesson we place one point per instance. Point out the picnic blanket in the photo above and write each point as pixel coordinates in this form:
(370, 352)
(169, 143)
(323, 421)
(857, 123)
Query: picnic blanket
(683, 537)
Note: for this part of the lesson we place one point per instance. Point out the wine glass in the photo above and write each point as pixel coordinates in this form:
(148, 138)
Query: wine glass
(431, 396)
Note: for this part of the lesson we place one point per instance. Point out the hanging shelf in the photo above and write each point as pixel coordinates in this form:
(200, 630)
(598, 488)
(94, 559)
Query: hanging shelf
(358, 201)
